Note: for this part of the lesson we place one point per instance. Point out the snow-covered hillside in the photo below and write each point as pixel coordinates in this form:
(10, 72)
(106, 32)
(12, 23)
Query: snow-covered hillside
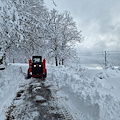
(88, 94)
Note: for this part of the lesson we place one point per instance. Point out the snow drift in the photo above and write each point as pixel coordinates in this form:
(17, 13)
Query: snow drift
(94, 90)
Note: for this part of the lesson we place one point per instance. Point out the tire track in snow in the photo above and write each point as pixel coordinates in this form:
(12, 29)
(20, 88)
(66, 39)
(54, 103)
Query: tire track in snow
(35, 102)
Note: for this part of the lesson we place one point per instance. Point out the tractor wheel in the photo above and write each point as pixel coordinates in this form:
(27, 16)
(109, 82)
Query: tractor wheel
(45, 73)
(28, 75)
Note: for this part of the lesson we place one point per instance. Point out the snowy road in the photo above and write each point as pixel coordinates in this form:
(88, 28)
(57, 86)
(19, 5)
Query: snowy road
(35, 102)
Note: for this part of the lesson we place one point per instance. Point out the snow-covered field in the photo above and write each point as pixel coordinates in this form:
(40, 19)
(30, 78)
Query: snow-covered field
(88, 94)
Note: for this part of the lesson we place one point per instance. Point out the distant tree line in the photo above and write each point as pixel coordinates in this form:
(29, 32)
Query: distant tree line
(28, 28)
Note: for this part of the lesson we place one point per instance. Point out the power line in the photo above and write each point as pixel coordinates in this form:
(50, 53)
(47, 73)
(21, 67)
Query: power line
(114, 51)
(97, 53)
(90, 53)
(104, 54)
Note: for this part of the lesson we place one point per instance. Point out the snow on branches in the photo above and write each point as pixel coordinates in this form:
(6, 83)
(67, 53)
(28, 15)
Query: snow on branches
(39, 31)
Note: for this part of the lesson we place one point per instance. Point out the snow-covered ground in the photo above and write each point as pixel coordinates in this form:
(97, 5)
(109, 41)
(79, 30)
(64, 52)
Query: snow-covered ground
(88, 94)
(10, 80)
(91, 93)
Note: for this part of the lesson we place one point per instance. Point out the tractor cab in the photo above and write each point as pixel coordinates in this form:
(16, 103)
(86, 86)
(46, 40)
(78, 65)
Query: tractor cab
(37, 67)
(36, 59)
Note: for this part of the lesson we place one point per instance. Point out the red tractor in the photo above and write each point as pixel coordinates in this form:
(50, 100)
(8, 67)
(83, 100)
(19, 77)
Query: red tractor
(37, 67)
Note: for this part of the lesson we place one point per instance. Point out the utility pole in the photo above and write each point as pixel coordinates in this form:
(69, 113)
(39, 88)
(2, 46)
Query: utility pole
(105, 59)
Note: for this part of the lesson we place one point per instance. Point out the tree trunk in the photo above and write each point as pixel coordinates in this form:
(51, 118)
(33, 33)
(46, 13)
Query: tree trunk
(56, 61)
(62, 61)
(13, 60)
(59, 63)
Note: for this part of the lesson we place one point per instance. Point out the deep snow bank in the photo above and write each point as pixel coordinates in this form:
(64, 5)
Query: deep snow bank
(10, 80)
(96, 90)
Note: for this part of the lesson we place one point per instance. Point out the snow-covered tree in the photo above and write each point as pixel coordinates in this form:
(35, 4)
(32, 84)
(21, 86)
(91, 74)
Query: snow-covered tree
(8, 33)
(62, 35)
(70, 37)
(29, 26)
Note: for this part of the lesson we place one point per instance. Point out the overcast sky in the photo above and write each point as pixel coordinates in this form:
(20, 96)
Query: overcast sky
(99, 21)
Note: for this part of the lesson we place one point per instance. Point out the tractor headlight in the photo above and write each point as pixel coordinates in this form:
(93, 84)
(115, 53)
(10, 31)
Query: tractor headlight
(39, 65)
(34, 65)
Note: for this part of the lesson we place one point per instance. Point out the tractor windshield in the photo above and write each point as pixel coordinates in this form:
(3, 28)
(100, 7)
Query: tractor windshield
(36, 60)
